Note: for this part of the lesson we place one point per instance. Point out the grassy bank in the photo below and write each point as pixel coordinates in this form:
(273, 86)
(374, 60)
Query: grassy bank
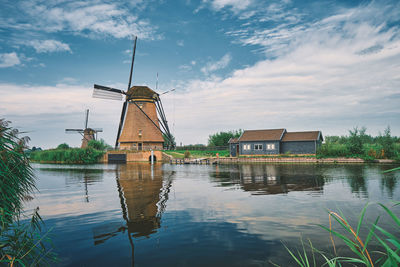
(70, 155)
(65, 154)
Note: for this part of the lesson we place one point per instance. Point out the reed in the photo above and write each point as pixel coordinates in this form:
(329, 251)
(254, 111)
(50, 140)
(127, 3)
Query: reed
(388, 244)
(21, 242)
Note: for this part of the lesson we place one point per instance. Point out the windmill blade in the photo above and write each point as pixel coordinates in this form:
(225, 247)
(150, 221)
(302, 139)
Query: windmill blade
(104, 92)
(86, 118)
(121, 121)
(74, 130)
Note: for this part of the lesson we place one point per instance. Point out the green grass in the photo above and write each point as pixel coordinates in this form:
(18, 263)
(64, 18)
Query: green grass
(70, 155)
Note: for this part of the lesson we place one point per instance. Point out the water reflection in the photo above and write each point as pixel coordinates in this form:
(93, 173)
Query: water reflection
(75, 176)
(143, 192)
(389, 181)
(270, 179)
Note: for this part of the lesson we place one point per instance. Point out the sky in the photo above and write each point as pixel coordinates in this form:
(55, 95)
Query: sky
(234, 64)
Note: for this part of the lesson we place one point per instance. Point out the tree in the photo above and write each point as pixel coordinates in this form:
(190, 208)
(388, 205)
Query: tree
(387, 142)
(222, 138)
(356, 139)
(61, 146)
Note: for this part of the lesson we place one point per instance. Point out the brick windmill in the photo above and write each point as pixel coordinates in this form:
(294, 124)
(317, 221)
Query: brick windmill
(143, 125)
(87, 133)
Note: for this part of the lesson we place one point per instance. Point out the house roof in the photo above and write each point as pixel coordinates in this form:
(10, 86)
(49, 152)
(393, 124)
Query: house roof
(302, 136)
(233, 140)
(261, 135)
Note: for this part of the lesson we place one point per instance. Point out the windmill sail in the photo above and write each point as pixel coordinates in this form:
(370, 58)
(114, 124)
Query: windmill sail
(104, 92)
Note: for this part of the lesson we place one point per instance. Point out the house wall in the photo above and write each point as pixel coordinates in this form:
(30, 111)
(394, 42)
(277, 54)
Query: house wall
(264, 151)
(299, 147)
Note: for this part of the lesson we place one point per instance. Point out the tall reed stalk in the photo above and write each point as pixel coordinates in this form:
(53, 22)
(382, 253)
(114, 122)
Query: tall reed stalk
(21, 243)
(387, 248)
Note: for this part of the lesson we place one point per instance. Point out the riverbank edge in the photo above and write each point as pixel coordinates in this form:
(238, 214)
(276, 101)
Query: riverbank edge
(300, 160)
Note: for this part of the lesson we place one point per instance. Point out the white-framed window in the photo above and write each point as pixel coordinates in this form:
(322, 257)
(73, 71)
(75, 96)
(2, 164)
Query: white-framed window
(271, 146)
(140, 132)
(258, 147)
(246, 147)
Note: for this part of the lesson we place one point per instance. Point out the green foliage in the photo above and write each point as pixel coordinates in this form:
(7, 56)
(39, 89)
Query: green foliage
(387, 143)
(186, 155)
(20, 243)
(61, 146)
(388, 243)
(99, 145)
(355, 140)
(359, 144)
(73, 155)
(333, 150)
(222, 138)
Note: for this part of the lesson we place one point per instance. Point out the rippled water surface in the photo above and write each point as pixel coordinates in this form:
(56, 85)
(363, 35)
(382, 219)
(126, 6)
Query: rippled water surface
(201, 215)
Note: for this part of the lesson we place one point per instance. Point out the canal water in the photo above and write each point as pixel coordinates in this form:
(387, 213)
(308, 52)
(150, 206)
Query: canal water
(203, 215)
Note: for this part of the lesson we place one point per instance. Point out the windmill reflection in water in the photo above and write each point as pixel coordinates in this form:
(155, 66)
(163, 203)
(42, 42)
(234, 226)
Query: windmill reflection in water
(143, 192)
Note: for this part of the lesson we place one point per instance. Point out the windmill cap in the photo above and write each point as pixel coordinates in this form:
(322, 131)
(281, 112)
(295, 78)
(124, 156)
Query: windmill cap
(141, 92)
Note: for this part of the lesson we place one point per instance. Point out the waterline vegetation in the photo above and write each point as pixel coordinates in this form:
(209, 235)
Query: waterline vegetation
(386, 247)
(22, 242)
(65, 154)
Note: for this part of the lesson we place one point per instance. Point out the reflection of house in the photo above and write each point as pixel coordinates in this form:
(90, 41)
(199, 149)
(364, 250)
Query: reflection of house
(271, 179)
(276, 141)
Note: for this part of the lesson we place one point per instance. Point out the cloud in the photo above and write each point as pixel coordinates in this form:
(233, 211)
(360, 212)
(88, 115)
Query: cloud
(234, 5)
(329, 75)
(217, 65)
(180, 43)
(9, 60)
(48, 46)
(88, 18)
(45, 111)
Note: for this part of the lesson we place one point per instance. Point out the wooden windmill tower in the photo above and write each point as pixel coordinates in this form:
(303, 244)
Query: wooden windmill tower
(87, 133)
(143, 124)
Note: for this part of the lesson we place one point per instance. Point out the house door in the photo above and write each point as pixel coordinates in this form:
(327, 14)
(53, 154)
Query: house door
(140, 146)
(237, 150)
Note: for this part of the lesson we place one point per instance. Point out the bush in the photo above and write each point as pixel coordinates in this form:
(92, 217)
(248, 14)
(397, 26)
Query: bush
(62, 146)
(98, 145)
(187, 154)
(355, 140)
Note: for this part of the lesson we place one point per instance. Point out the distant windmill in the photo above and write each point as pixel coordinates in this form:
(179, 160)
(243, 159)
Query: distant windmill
(139, 128)
(87, 133)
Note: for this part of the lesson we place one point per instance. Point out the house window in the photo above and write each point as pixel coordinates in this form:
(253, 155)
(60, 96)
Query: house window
(258, 147)
(246, 147)
(140, 132)
(271, 146)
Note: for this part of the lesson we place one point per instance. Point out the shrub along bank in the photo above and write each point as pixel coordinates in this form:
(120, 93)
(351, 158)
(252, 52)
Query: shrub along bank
(65, 154)
(360, 145)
